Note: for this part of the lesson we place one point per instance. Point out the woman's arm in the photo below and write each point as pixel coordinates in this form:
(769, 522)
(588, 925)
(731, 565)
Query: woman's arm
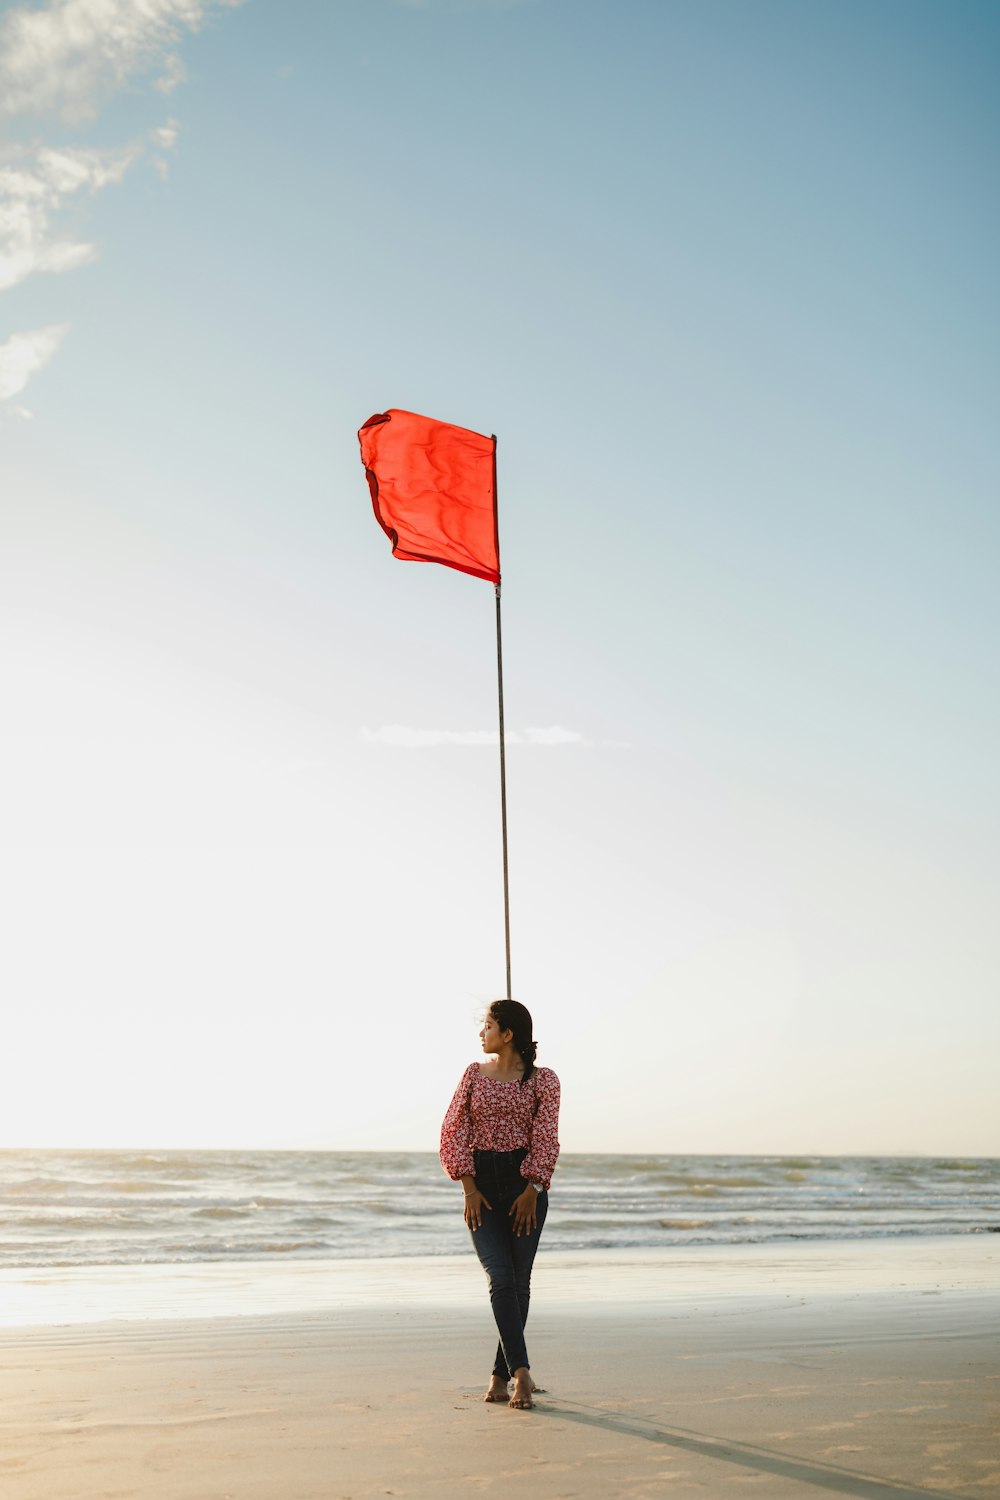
(456, 1130)
(539, 1164)
(456, 1148)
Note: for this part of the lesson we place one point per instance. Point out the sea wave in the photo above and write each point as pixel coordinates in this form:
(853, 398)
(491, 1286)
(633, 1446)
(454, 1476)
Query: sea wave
(89, 1208)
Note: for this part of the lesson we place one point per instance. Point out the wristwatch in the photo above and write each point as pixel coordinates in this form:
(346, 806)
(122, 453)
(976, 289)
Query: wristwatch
(537, 1186)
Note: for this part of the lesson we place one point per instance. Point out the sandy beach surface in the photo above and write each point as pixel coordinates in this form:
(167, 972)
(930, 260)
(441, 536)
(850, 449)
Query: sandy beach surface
(866, 1369)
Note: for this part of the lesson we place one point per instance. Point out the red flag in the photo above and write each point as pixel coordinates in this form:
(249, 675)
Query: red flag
(434, 491)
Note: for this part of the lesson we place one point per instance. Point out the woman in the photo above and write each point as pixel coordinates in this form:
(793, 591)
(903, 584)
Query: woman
(500, 1140)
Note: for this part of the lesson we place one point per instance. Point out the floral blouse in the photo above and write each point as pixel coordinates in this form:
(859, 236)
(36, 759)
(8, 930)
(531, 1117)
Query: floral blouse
(492, 1114)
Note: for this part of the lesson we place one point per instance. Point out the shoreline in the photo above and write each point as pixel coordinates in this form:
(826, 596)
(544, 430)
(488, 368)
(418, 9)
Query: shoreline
(75, 1296)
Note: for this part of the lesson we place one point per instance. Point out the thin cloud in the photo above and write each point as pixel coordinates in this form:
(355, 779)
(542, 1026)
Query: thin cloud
(173, 75)
(165, 136)
(405, 737)
(462, 5)
(23, 355)
(553, 736)
(34, 186)
(67, 57)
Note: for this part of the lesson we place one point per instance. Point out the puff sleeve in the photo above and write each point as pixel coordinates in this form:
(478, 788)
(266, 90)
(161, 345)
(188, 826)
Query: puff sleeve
(456, 1130)
(540, 1161)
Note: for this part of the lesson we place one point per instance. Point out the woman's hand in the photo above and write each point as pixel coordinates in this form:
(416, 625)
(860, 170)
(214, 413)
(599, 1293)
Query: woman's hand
(523, 1208)
(474, 1205)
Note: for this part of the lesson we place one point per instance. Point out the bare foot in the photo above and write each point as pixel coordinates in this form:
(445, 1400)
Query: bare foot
(497, 1389)
(523, 1387)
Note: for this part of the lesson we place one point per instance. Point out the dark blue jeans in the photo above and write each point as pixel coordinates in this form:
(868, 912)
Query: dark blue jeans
(505, 1257)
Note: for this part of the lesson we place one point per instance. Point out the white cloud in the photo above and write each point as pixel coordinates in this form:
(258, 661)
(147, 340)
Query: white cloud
(33, 188)
(402, 736)
(165, 136)
(67, 56)
(23, 355)
(553, 736)
(174, 73)
(461, 5)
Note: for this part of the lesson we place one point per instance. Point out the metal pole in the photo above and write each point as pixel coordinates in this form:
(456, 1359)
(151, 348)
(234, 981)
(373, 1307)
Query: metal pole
(503, 759)
(503, 796)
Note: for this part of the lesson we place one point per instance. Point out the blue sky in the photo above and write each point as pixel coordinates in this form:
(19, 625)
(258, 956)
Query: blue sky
(722, 277)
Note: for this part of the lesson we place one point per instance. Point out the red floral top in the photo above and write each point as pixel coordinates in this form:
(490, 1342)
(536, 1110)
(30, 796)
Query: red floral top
(492, 1114)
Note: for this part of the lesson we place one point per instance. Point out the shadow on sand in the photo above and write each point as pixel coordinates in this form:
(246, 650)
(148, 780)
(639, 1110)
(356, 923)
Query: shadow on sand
(744, 1455)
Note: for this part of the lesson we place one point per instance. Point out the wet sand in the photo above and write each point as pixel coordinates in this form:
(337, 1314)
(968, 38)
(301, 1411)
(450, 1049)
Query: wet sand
(869, 1369)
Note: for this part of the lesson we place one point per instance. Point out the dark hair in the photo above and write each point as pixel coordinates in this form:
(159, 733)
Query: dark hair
(511, 1015)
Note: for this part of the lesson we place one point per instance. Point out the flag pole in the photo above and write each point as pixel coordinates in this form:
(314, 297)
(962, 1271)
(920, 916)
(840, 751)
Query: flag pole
(503, 759)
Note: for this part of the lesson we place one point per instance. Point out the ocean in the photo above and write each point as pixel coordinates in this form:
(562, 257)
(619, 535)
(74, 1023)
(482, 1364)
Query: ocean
(109, 1208)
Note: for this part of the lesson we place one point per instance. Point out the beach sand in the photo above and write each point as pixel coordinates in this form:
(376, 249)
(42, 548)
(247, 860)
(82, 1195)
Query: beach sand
(869, 1369)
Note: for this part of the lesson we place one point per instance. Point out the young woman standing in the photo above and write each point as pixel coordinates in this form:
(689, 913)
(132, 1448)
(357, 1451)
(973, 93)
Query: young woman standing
(500, 1140)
